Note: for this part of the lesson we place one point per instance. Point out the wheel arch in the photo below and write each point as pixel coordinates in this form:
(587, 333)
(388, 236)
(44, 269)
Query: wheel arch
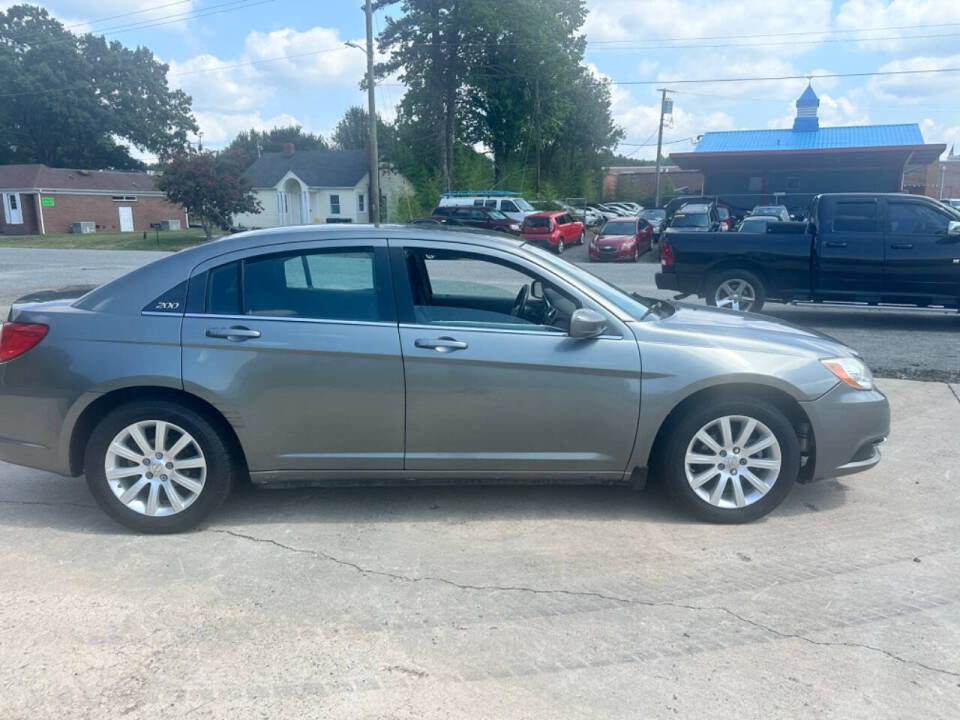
(103, 405)
(780, 399)
(733, 264)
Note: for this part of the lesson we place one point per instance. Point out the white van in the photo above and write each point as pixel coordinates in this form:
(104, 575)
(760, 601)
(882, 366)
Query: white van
(511, 205)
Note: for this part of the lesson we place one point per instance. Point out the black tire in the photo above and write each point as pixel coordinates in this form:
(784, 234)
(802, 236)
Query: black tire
(636, 254)
(671, 465)
(734, 274)
(222, 468)
(581, 238)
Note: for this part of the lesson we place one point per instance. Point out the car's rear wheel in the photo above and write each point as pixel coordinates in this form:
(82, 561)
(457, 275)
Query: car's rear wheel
(580, 239)
(731, 462)
(560, 246)
(158, 467)
(736, 290)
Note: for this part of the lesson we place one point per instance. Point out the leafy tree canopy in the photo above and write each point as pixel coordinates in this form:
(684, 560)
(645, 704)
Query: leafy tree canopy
(80, 101)
(248, 144)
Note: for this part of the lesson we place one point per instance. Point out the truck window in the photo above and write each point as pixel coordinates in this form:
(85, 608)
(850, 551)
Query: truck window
(914, 219)
(855, 216)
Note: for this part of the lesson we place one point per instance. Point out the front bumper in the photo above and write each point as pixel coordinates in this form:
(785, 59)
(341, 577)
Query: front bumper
(611, 253)
(848, 427)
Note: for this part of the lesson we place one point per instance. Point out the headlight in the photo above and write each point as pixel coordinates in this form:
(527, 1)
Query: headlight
(515, 227)
(853, 371)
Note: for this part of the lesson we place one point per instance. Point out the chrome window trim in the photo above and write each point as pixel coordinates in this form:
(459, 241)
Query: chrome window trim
(275, 318)
(471, 328)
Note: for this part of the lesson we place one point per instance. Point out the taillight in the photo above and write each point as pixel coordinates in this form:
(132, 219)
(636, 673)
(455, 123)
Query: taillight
(17, 338)
(666, 254)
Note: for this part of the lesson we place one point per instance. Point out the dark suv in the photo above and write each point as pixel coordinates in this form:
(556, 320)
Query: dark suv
(695, 217)
(479, 217)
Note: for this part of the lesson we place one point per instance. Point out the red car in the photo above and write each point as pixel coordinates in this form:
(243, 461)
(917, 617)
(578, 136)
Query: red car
(622, 239)
(553, 230)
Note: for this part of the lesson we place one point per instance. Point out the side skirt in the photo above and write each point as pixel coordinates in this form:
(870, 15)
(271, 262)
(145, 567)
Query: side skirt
(406, 478)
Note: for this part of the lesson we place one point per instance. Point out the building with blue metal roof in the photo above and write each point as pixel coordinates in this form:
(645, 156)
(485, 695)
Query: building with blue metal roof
(753, 167)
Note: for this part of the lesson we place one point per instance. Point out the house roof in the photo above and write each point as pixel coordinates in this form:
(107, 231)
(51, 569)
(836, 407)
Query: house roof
(825, 138)
(316, 168)
(36, 175)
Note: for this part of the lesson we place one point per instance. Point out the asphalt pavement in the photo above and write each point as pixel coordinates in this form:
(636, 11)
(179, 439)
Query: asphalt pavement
(921, 344)
(496, 602)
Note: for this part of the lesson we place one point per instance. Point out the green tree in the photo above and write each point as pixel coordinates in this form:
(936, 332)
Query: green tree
(248, 144)
(353, 130)
(210, 185)
(78, 101)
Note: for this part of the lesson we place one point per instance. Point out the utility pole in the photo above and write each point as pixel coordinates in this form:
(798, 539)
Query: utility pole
(663, 105)
(536, 95)
(372, 110)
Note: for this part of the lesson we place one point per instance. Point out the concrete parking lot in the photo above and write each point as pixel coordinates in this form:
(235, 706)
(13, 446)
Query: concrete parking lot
(895, 343)
(492, 602)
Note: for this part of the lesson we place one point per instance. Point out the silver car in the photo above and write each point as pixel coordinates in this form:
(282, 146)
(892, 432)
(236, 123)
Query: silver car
(337, 355)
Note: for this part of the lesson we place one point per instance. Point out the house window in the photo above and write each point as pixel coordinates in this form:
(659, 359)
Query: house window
(360, 201)
(334, 204)
(793, 183)
(124, 198)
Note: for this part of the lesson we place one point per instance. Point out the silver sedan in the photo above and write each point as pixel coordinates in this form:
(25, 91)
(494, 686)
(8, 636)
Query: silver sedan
(368, 356)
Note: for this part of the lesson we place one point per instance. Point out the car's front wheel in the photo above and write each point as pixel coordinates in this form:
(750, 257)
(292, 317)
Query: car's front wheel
(580, 239)
(731, 462)
(158, 467)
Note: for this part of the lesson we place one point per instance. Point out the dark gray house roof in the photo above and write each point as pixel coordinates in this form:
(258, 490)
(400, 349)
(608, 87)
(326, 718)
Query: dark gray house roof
(317, 168)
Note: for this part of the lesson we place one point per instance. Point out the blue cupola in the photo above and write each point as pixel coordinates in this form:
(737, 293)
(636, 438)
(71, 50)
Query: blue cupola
(807, 104)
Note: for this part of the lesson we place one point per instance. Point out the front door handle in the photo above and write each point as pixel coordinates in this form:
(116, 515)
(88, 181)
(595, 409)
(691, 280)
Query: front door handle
(902, 246)
(237, 333)
(440, 344)
(834, 243)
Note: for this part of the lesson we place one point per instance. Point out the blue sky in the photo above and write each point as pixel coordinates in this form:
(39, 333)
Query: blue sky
(210, 52)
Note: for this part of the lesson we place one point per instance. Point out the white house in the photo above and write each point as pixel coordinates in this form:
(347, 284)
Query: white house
(317, 186)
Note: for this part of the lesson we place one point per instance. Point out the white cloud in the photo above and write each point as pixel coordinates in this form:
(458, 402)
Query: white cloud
(220, 128)
(916, 89)
(313, 58)
(99, 16)
(868, 14)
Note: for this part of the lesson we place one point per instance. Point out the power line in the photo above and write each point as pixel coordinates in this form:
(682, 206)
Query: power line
(108, 17)
(875, 73)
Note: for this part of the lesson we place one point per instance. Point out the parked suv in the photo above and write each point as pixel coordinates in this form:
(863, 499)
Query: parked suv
(513, 206)
(552, 230)
(695, 217)
(479, 217)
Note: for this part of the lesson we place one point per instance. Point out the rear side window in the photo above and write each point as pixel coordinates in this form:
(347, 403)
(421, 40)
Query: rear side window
(321, 285)
(172, 301)
(855, 217)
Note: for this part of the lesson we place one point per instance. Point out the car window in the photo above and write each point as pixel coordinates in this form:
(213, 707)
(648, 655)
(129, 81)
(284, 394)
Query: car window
(537, 221)
(914, 219)
(683, 220)
(854, 216)
(497, 215)
(490, 204)
(471, 290)
(323, 284)
(507, 206)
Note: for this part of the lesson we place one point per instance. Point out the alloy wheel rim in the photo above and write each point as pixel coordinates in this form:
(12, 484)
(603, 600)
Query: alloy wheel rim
(560, 247)
(155, 468)
(733, 461)
(736, 294)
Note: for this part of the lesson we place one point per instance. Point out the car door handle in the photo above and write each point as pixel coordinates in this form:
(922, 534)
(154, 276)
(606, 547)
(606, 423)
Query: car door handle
(237, 333)
(902, 246)
(441, 344)
(834, 243)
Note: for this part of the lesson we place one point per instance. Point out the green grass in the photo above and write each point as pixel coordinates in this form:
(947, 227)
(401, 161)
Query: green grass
(171, 240)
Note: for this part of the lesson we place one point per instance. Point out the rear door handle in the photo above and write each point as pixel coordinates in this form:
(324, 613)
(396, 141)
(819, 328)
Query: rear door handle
(835, 243)
(238, 333)
(440, 344)
(902, 246)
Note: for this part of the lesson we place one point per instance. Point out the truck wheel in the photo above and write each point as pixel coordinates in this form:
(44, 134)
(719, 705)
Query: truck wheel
(731, 462)
(158, 467)
(736, 290)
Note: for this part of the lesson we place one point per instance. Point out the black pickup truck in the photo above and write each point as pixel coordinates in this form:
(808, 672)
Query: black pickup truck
(862, 248)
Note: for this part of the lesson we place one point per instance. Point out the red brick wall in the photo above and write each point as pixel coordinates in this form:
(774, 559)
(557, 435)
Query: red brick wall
(102, 210)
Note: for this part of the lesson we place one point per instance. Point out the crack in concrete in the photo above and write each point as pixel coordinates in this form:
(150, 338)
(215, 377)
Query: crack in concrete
(953, 390)
(582, 594)
(48, 504)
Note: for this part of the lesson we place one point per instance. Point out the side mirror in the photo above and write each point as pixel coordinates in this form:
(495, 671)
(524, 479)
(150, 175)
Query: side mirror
(587, 323)
(953, 227)
(536, 289)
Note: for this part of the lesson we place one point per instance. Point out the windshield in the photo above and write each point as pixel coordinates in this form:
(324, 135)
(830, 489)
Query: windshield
(654, 214)
(767, 210)
(722, 212)
(524, 205)
(619, 227)
(698, 220)
(537, 223)
(629, 304)
(497, 215)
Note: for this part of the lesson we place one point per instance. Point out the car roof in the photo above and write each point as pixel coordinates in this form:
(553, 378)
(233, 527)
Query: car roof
(696, 207)
(547, 213)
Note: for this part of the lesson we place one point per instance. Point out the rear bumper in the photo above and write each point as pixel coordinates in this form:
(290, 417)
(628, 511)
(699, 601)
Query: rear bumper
(30, 430)
(539, 241)
(848, 427)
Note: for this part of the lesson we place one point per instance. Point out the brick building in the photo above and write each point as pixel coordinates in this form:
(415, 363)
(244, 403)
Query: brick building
(639, 183)
(38, 200)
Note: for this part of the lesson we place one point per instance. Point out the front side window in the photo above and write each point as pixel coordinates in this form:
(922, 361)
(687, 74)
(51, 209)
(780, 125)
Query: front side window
(855, 217)
(334, 204)
(915, 219)
(336, 284)
(465, 289)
